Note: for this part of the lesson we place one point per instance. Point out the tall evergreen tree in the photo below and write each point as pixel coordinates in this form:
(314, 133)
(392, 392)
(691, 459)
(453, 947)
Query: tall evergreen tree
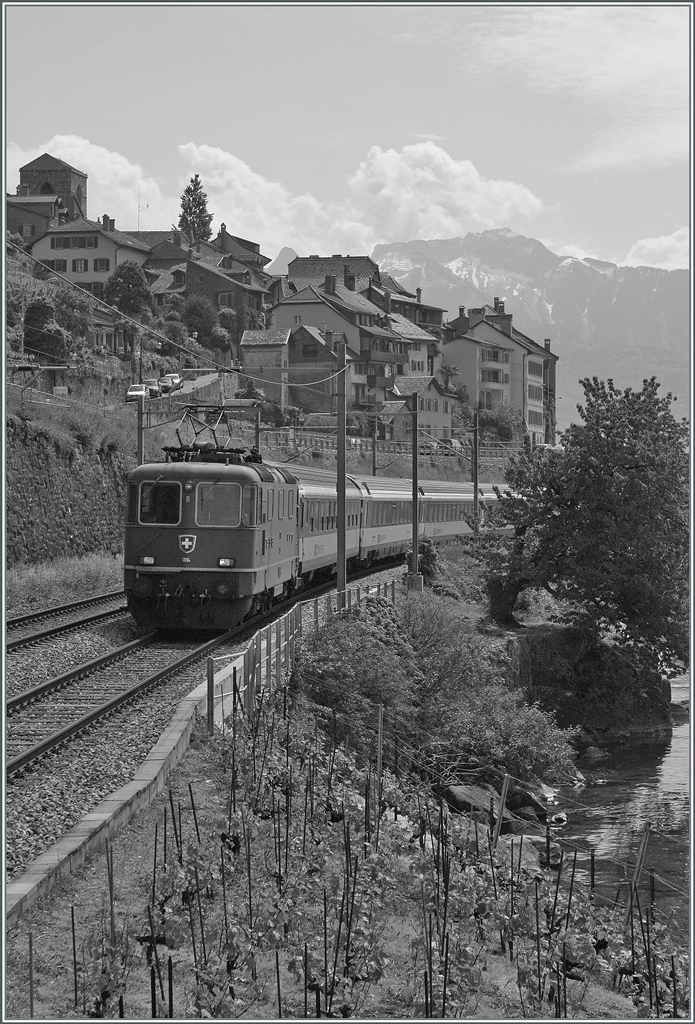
(195, 220)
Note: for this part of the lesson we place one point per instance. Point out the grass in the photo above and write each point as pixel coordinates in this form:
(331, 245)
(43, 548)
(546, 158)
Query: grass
(30, 587)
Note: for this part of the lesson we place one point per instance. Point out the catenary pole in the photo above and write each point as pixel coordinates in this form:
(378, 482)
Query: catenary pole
(415, 580)
(341, 388)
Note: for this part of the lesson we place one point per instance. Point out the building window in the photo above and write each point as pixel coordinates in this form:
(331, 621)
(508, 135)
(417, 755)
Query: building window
(429, 405)
(102, 266)
(485, 400)
(60, 266)
(74, 242)
(95, 288)
(446, 407)
(225, 299)
(535, 369)
(535, 393)
(298, 319)
(422, 405)
(535, 418)
(80, 266)
(27, 230)
(179, 277)
(436, 405)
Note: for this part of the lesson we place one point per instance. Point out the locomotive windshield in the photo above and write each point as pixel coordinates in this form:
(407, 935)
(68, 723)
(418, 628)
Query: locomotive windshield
(218, 504)
(160, 503)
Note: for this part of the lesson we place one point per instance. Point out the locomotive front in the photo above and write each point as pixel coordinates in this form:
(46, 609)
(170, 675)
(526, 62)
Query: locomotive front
(191, 544)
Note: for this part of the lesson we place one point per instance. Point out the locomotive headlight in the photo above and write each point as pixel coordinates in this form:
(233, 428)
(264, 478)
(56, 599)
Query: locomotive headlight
(225, 563)
(188, 487)
(146, 560)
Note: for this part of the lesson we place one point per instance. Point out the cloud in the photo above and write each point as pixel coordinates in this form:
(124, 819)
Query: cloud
(113, 182)
(670, 252)
(630, 64)
(417, 192)
(426, 137)
(423, 192)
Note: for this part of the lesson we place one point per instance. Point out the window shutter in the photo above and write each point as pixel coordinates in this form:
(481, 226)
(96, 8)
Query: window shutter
(53, 242)
(74, 266)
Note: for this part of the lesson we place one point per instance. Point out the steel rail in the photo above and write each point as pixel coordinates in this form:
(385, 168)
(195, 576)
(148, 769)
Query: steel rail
(82, 670)
(42, 613)
(15, 764)
(24, 641)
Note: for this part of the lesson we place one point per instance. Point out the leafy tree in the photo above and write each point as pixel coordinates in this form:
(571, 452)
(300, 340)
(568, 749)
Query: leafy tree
(249, 390)
(127, 289)
(219, 338)
(199, 315)
(602, 523)
(447, 371)
(504, 419)
(74, 311)
(228, 319)
(195, 220)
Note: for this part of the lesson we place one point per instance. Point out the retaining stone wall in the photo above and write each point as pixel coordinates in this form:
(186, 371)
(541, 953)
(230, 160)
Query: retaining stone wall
(60, 499)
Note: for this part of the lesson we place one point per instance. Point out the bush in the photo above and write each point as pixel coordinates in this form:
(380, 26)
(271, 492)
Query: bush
(199, 315)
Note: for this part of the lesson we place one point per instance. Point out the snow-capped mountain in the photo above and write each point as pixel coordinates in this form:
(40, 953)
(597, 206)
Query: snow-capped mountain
(603, 320)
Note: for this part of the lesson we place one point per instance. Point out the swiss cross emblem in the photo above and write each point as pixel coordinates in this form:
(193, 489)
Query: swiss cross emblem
(187, 543)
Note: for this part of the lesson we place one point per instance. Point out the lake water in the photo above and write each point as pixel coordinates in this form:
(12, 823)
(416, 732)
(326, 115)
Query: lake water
(645, 783)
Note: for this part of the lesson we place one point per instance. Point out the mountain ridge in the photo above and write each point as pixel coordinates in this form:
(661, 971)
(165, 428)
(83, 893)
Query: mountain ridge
(604, 320)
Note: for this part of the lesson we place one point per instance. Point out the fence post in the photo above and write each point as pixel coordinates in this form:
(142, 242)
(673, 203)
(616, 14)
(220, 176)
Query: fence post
(258, 666)
(393, 591)
(316, 612)
(278, 647)
(211, 696)
(293, 630)
(248, 682)
(268, 659)
(359, 597)
(349, 597)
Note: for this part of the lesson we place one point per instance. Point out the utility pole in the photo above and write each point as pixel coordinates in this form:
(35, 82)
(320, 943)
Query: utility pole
(474, 468)
(341, 483)
(141, 431)
(375, 432)
(414, 580)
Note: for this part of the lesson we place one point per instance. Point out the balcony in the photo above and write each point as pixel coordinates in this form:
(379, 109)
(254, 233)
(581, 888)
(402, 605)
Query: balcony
(367, 356)
(374, 381)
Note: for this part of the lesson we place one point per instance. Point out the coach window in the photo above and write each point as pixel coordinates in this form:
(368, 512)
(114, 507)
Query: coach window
(218, 504)
(248, 510)
(271, 503)
(281, 504)
(290, 504)
(160, 503)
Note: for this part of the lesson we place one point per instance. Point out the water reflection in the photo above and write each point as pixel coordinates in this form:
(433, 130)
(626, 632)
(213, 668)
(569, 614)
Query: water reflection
(648, 783)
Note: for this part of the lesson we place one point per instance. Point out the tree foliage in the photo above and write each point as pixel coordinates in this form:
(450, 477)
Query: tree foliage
(602, 523)
(43, 335)
(447, 371)
(195, 220)
(127, 289)
(199, 315)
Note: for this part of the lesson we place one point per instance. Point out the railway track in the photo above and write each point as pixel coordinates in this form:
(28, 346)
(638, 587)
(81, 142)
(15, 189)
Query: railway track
(23, 627)
(46, 716)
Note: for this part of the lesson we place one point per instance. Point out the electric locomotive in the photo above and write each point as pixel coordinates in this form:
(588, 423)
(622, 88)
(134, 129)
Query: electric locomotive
(214, 535)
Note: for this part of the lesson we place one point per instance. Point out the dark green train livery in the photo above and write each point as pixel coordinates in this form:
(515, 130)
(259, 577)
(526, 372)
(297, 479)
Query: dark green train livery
(214, 535)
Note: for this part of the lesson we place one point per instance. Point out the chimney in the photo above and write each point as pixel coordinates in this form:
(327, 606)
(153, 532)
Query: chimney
(177, 238)
(350, 282)
(330, 284)
(418, 294)
(546, 342)
(328, 338)
(462, 311)
(387, 300)
(112, 225)
(500, 306)
(496, 303)
(105, 222)
(223, 231)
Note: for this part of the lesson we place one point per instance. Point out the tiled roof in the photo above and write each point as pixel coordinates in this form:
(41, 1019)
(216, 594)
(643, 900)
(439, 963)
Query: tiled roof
(379, 332)
(82, 225)
(165, 280)
(394, 287)
(414, 385)
(200, 265)
(348, 299)
(30, 200)
(154, 238)
(46, 160)
(306, 270)
(407, 329)
(272, 336)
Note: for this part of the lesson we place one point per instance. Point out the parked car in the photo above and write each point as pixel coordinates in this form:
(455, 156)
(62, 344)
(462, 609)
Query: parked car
(152, 385)
(170, 382)
(135, 390)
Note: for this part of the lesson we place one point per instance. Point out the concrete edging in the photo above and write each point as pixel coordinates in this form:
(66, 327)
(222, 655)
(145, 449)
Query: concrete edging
(72, 850)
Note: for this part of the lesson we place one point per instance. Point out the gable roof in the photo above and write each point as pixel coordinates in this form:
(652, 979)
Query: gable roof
(394, 286)
(407, 329)
(271, 336)
(154, 238)
(209, 269)
(165, 280)
(307, 270)
(48, 162)
(81, 226)
(416, 385)
(31, 200)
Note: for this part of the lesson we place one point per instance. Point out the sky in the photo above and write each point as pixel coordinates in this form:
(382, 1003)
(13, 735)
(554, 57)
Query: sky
(331, 128)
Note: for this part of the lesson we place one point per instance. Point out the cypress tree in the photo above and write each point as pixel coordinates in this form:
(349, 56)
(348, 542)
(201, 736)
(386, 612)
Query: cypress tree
(195, 220)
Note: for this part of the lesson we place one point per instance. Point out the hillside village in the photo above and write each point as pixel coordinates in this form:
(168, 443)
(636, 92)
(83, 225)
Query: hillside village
(283, 329)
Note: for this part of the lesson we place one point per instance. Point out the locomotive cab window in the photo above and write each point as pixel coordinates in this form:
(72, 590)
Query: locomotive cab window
(160, 503)
(249, 505)
(281, 504)
(132, 513)
(290, 504)
(218, 504)
(271, 503)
